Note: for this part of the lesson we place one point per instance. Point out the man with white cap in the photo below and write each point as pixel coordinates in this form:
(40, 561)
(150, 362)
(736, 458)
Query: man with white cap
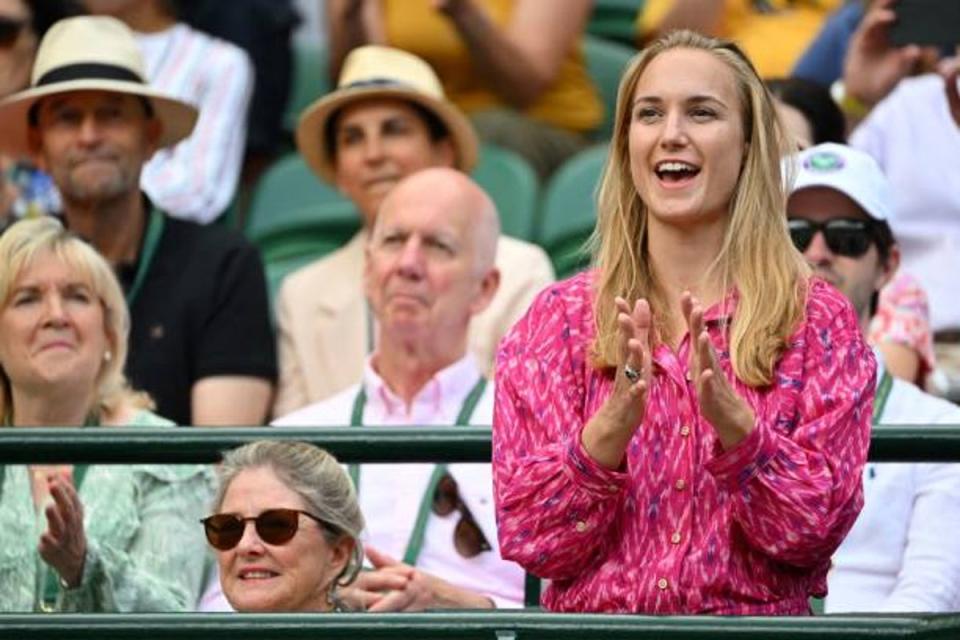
(200, 340)
(903, 553)
(387, 119)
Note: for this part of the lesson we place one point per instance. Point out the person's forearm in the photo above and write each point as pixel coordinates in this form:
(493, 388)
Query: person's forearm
(604, 436)
(447, 596)
(699, 15)
(347, 28)
(509, 73)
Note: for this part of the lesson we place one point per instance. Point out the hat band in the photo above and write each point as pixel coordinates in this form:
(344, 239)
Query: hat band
(88, 71)
(376, 82)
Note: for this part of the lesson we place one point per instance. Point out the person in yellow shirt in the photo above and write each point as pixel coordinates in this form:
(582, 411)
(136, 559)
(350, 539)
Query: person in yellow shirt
(773, 33)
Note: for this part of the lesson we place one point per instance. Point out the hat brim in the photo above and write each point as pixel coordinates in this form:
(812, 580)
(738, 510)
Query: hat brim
(312, 125)
(177, 117)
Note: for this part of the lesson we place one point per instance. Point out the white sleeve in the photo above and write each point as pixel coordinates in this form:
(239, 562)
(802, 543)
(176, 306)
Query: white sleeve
(197, 179)
(929, 578)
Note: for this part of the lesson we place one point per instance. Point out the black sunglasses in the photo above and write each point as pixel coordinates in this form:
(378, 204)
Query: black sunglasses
(274, 526)
(844, 236)
(10, 28)
(468, 538)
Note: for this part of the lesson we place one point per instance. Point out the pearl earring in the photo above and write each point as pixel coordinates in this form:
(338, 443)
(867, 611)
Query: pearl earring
(107, 356)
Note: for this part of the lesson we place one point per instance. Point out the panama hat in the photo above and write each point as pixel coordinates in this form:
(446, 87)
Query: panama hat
(375, 71)
(87, 53)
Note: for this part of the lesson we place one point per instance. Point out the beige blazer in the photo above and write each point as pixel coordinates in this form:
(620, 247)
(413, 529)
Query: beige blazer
(323, 322)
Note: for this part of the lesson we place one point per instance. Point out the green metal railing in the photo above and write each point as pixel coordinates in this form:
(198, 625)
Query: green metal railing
(373, 445)
(524, 625)
(363, 444)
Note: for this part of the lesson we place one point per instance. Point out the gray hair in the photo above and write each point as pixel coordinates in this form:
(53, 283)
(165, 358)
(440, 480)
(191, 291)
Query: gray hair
(317, 477)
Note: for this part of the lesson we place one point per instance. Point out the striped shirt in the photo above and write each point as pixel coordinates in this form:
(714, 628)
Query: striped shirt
(197, 178)
(683, 526)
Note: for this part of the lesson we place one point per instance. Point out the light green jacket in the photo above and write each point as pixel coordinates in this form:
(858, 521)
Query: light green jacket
(145, 547)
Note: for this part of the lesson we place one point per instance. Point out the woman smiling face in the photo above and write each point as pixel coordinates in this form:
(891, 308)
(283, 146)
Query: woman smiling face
(294, 576)
(686, 136)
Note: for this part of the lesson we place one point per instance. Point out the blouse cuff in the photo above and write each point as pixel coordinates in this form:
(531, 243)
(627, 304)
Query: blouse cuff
(588, 474)
(739, 465)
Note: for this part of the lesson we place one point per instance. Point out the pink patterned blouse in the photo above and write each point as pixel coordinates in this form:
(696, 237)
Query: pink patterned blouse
(682, 527)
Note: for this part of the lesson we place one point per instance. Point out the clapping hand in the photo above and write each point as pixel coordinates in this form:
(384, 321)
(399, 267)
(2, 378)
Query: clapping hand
(63, 546)
(720, 404)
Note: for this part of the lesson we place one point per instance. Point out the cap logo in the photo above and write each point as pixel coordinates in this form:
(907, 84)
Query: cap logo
(823, 162)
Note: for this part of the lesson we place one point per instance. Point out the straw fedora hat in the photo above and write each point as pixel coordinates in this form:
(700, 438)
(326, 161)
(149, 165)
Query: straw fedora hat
(375, 71)
(89, 53)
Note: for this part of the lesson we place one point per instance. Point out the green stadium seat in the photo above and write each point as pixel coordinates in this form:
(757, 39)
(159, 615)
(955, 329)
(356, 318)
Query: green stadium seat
(295, 218)
(311, 79)
(288, 192)
(513, 186)
(615, 20)
(307, 235)
(605, 63)
(568, 214)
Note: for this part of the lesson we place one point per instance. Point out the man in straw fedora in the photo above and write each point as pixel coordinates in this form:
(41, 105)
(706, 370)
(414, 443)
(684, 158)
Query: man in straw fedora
(388, 118)
(200, 340)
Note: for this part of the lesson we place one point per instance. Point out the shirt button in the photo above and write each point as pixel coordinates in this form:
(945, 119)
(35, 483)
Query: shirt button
(680, 484)
(675, 538)
(662, 584)
(685, 431)
(581, 526)
(612, 488)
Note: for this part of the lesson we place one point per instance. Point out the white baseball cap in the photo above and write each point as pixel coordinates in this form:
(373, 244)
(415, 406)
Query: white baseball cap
(847, 170)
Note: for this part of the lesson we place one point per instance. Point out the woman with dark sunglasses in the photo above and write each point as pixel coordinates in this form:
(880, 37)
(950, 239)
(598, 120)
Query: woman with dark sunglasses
(285, 528)
(24, 189)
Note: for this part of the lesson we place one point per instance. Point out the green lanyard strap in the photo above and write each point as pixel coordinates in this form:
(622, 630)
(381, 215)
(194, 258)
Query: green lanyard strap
(150, 243)
(883, 392)
(415, 544)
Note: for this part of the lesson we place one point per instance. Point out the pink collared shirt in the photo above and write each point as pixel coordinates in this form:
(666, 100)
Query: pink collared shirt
(682, 527)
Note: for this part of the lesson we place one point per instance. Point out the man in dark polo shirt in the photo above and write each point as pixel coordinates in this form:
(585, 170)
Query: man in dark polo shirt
(200, 340)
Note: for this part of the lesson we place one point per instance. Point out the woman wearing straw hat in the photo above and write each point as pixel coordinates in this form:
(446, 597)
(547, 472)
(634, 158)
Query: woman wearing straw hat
(387, 119)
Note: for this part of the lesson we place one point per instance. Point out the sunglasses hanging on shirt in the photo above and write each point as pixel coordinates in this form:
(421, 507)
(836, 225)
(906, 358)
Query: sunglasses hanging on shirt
(468, 538)
(846, 237)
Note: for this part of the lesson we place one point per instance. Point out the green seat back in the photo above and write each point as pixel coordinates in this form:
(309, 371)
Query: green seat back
(512, 184)
(569, 214)
(289, 193)
(615, 20)
(311, 79)
(307, 235)
(606, 62)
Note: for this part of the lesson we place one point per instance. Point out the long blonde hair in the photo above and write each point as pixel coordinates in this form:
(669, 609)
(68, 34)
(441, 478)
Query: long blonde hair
(19, 247)
(757, 255)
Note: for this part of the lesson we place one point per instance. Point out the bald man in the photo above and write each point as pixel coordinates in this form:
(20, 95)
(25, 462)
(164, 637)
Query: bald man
(430, 268)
